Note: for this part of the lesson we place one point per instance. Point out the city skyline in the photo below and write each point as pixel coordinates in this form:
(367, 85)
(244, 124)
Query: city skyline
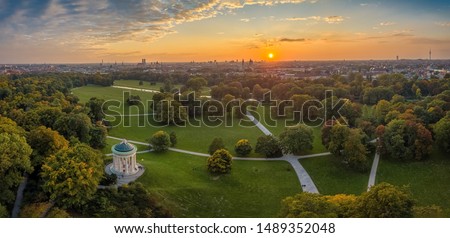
(62, 31)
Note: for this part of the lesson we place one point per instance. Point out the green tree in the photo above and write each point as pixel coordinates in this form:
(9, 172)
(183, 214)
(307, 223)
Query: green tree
(296, 139)
(160, 141)
(243, 148)
(383, 201)
(338, 135)
(173, 139)
(196, 83)
(45, 142)
(220, 162)
(14, 161)
(74, 125)
(381, 110)
(3, 211)
(72, 175)
(268, 146)
(407, 140)
(442, 134)
(131, 201)
(355, 154)
(307, 205)
(98, 134)
(95, 106)
(216, 144)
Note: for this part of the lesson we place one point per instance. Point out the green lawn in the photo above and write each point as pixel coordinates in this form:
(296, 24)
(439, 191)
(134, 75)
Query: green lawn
(332, 178)
(253, 189)
(429, 181)
(115, 98)
(189, 137)
(135, 84)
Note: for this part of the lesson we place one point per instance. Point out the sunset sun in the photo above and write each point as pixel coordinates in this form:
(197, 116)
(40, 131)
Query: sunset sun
(270, 55)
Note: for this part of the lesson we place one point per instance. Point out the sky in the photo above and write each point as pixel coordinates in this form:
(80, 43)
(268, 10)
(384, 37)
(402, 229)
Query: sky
(82, 31)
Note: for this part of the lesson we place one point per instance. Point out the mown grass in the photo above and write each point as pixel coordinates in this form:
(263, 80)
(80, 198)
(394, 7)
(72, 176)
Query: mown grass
(428, 181)
(331, 177)
(252, 189)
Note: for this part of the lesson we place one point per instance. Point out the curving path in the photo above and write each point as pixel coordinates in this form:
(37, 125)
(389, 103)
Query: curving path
(304, 178)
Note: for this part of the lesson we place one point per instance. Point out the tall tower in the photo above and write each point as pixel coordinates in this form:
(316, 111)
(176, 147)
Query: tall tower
(430, 55)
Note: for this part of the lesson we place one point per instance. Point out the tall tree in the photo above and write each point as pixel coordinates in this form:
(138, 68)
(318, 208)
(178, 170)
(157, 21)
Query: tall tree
(196, 83)
(442, 134)
(243, 147)
(383, 201)
(307, 205)
(45, 142)
(355, 154)
(296, 139)
(269, 146)
(338, 135)
(220, 162)
(72, 175)
(14, 161)
(96, 112)
(160, 141)
(74, 125)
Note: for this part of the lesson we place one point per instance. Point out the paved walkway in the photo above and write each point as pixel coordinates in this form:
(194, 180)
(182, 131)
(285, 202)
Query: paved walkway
(373, 171)
(303, 176)
(19, 196)
(258, 124)
(137, 89)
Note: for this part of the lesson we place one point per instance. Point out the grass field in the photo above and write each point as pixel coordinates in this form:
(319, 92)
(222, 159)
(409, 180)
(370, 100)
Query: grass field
(332, 178)
(135, 84)
(253, 189)
(194, 138)
(429, 181)
(116, 94)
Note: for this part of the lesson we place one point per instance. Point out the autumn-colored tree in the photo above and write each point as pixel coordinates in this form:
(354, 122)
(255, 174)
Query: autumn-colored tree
(72, 175)
(407, 140)
(338, 135)
(345, 204)
(307, 205)
(383, 201)
(243, 147)
(220, 162)
(45, 142)
(355, 154)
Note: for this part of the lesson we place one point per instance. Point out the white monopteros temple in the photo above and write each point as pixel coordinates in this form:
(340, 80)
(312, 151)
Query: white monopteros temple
(124, 159)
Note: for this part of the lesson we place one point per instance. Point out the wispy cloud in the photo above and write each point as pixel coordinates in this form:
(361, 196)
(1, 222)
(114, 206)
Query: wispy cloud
(107, 21)
(245, 20)
(334, 19)
(444, 24)
(292, 40)
(387, 23)
(329, 19)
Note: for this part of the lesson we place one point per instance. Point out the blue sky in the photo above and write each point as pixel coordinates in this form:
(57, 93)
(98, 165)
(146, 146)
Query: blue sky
(64, 31)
